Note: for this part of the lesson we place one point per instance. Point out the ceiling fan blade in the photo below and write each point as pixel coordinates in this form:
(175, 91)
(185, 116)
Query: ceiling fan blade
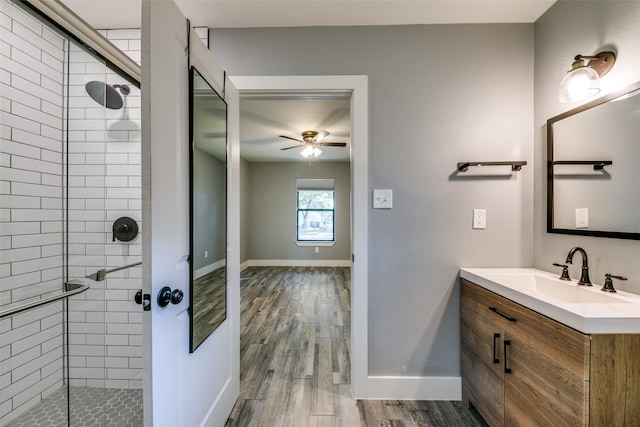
(289, 148)
(333, 144)
(321, 135)
(293, 139)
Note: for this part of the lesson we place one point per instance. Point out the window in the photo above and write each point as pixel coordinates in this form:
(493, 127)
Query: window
(315, 219)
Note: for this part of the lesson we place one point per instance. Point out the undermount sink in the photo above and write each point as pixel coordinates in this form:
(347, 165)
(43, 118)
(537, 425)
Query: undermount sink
(584, 308)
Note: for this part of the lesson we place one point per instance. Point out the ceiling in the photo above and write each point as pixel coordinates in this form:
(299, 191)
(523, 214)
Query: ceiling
(264, 118)
(289, 13)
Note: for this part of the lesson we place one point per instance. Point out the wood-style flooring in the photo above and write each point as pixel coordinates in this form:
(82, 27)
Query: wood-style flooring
(209, 305)
(295, 358)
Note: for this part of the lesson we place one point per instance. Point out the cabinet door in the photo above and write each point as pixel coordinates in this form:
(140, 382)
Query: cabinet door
(482, 336)
(483, 389)
(548, 372)
(539, 391)
(481, 357)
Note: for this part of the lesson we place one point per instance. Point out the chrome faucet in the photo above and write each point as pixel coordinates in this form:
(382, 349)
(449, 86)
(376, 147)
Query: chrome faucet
(584, 277)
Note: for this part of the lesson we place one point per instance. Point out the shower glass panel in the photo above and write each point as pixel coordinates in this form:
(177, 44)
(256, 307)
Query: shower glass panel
(70, 167)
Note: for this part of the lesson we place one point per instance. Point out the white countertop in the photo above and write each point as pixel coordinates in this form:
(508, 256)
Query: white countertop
(586, 309)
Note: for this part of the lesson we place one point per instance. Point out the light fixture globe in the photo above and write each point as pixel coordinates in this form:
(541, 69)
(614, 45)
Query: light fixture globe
(583, 81)
(308, 150)
(579, 84)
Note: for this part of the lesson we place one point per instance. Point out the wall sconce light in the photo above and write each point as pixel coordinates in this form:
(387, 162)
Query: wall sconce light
(583, 81)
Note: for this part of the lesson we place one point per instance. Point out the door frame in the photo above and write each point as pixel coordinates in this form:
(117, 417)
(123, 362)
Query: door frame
(357, 87)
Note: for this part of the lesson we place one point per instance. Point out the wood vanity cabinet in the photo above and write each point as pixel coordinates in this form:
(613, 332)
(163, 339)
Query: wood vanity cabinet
(520, 368)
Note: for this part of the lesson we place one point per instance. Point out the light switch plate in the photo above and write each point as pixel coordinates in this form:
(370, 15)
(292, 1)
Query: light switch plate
(382, 199)
(582, 218)
(480, 219)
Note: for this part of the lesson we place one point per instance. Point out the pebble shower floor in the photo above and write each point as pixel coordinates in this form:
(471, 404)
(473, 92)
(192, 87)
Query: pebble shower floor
(92, 407)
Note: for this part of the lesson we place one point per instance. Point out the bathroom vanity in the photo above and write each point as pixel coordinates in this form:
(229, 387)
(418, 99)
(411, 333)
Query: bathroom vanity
(540, 351)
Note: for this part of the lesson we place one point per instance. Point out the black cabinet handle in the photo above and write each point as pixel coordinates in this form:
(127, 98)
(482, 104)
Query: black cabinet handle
(507, 370)
(495, 310)
(496, 337)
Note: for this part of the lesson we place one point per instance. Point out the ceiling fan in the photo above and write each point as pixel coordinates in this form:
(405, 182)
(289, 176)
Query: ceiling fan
(312, 140)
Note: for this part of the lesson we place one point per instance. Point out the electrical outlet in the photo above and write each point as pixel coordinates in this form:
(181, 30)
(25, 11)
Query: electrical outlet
(582, 218)
(317, 250)
(480, 219)
(206, 254)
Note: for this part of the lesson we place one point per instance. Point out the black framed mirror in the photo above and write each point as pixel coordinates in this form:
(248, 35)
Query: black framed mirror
(208, 209)
(592, 168)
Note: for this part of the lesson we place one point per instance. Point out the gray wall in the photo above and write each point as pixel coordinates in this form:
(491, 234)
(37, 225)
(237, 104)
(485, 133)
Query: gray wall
(210, 215)
(271, 210)
(602, 25)
(439, 94)
(244, 212)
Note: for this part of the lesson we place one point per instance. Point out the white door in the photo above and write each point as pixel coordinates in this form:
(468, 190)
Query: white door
(182, 388)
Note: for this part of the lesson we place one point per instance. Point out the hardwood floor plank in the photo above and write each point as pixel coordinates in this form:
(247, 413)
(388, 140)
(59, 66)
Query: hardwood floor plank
(346, 408)
(295, 358)
(322, 392)
(322, 421)
(275, 405)
(372, 413)
(298, 412)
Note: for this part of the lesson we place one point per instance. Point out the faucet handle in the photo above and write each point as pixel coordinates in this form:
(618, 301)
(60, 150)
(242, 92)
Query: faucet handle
(608, 283)
(565, 271)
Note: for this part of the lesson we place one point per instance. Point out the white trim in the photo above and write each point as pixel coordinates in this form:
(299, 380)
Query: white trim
(296, 263)
(208, 268)
(316, 243)
(358, 87)
(415, 388)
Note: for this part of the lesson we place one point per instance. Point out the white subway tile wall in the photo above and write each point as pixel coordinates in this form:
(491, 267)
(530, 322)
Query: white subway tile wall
(105, 343)
(105, 331)
(31, 200)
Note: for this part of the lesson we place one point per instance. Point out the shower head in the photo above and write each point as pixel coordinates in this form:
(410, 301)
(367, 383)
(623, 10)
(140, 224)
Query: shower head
(107, 95)
(124, 89)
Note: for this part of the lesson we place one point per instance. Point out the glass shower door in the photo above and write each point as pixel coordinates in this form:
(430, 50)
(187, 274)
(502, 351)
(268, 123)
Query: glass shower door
(85, 243)
(104, 325)
(71, 168)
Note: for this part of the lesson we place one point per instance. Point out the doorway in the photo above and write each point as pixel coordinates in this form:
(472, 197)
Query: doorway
(355, 88)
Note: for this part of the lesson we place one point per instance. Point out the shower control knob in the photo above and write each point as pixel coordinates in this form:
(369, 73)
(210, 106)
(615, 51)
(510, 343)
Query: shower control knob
(166, 296)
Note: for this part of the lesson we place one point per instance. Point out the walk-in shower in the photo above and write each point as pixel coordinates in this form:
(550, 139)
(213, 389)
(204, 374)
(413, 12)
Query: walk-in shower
(70, 166)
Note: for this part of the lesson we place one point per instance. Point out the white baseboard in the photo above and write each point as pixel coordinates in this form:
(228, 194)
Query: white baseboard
(209, 268)
(295, 263)
(414, 388)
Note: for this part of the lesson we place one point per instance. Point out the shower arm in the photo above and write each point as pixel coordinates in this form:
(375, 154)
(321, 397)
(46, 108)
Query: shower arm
(99, 275)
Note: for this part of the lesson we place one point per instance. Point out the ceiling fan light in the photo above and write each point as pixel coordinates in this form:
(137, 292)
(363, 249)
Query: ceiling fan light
(308, 150)
(316, 152)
